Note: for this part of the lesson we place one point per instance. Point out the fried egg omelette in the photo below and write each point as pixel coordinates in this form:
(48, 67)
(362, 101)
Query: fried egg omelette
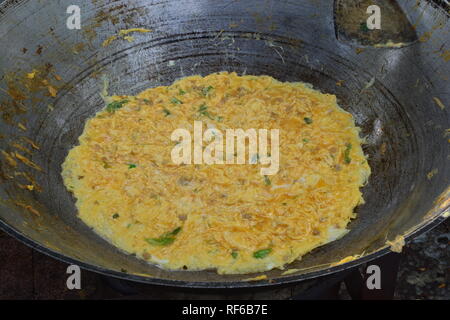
(221, 216)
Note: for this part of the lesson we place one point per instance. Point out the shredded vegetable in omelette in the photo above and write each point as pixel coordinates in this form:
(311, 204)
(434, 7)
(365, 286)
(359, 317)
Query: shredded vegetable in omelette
(220, 216)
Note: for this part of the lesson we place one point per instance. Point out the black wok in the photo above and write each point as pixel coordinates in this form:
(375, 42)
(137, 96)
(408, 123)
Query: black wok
(400, 97)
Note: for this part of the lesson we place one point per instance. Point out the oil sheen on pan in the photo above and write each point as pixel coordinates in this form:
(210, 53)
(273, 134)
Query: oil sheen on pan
(226, 217)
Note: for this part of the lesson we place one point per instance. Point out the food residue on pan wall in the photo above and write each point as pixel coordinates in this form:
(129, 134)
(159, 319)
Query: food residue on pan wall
(290, 271)
(390, 44)
(28, 207)
(9, 158)
(25, 90)
(114, 14)
(27, 161)
(25, 85)
(124, 35)
(446, 55)
(24, 180)
(439, 103)
(432, 173)
(345, 260)
(427, 35)
(224, 217)
(257, 278)
(397, 244)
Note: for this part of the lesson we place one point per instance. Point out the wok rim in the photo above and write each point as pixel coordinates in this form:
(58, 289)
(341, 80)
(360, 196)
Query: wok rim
(421, 229)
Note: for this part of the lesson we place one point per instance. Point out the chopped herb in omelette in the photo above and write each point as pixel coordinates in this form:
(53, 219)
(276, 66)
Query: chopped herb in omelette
(261, 254)
(132, 166)
(308, 120)
(203, 111)
(267, 181)
(167, 112)
(165, 239)
(116, 105)
(348, 148)
(115, 216)
(207, 90)
(176, 101)
(234, 254)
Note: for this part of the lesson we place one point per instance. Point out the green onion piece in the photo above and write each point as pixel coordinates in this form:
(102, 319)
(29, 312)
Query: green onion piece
(167, 112)
(203, 110)
(308, 120)
(267, 181)
(347, 158)
(175, 232)
(176, 101)
(261, 254)
(132, 166)
(234, 254)
(115, 215)
(113, 106)
(206, 90)
(165, 239)
(160, 241)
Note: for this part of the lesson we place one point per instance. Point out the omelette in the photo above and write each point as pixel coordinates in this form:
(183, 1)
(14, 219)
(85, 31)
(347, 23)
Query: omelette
(226, 217)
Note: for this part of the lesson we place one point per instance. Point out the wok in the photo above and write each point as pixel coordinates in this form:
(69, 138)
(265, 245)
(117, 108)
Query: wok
(400, 98)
